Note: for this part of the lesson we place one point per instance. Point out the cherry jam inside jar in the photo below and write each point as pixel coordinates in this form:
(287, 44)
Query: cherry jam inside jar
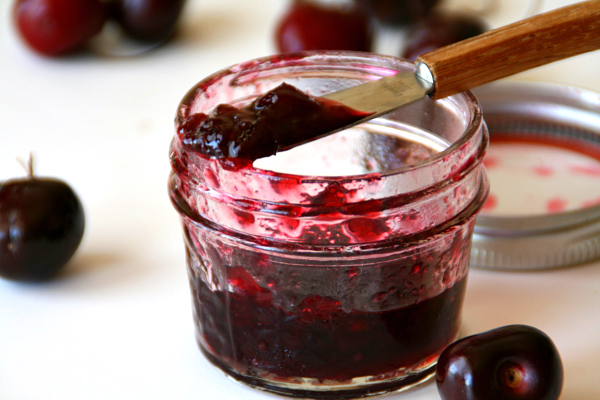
(336, 269)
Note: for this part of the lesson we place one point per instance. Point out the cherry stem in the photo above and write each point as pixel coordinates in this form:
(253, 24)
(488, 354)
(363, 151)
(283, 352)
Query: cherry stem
(27, 166)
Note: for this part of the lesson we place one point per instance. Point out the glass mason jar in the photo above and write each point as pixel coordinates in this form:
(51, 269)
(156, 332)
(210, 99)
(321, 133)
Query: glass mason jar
(336, 284)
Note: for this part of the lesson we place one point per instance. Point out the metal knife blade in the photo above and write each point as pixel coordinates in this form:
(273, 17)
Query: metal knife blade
(385, 94)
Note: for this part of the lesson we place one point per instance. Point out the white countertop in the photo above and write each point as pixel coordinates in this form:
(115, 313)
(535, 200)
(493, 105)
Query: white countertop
(117, 323)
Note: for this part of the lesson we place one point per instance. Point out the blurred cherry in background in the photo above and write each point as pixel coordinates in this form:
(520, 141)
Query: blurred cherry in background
(398, 12)
(441, 29)
(54, 27)
(308, 25)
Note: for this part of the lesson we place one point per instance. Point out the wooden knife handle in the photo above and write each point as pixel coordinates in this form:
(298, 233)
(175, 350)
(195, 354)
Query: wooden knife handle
(514, 48)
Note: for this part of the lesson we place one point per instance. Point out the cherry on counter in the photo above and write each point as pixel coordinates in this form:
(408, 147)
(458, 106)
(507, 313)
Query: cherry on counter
(514, 362)
(41, 225)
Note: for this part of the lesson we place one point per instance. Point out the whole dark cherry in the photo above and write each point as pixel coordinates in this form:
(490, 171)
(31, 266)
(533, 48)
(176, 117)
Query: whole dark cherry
(41, 225)
(514, 362)
(54, 27)
(147, 20)
(398, 12)
(439, 30)
(307, 25)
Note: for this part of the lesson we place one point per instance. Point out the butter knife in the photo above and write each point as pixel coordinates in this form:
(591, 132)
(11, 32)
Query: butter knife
(523, 45)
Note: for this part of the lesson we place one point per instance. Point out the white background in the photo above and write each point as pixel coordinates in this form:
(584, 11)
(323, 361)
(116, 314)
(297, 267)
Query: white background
(117, 323)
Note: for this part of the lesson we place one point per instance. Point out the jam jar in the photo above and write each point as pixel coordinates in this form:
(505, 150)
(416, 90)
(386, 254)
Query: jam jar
(336, 269)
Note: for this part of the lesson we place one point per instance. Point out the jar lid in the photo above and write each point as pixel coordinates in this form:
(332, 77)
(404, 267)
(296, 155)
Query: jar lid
(544, 166)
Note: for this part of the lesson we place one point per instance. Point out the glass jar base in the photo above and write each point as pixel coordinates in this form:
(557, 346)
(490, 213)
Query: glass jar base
(305, 389)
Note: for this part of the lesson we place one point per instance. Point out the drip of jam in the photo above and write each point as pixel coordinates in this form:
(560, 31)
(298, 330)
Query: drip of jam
(277, 120)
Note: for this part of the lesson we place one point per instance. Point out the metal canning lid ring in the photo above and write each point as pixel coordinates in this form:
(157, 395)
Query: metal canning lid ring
(539, 114)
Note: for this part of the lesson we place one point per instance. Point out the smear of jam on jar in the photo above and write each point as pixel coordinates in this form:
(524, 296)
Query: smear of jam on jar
(277, 120)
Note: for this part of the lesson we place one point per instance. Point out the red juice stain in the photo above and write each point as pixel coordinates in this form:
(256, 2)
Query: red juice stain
(592, 170)
(491, 162)
(543, 170)
(490, 203)
(556, 204)
(591, 203)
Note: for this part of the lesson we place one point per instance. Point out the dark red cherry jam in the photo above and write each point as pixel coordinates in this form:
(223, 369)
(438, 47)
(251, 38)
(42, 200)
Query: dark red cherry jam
(277, 120)
(317, 338)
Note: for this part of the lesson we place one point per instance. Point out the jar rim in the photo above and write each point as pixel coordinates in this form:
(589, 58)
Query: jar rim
(353, 59)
